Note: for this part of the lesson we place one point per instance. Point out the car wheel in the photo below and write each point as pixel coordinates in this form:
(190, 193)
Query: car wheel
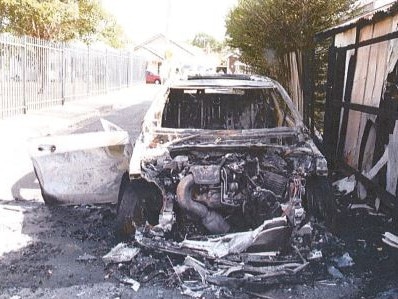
(138, 203)
(320, 200)
(157, 82)
(128, 215)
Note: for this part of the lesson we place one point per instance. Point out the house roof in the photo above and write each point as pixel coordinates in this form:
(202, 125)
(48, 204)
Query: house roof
(153, 52)
(145, 45)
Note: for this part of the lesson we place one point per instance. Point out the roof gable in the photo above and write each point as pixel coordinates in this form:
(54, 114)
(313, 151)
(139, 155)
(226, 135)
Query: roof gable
(150, 44)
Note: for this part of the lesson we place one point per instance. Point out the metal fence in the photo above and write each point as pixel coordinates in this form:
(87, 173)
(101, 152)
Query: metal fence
(37, 74)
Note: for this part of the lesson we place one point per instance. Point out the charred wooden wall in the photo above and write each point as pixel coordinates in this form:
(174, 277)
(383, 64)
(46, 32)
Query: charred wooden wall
(299, 83)
(361, 110)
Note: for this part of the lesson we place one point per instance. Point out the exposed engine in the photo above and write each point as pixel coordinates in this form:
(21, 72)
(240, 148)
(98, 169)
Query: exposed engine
(220, 189)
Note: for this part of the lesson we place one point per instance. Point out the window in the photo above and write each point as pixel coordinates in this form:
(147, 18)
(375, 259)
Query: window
(230, 109)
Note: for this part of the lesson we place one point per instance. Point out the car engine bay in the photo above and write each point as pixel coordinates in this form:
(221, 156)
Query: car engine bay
(227, 190)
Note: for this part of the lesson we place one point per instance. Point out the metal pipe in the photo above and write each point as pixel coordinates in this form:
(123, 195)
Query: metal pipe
(213, 221)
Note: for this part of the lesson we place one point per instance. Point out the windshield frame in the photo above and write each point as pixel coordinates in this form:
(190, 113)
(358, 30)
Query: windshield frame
(153, 119)
(228, 108)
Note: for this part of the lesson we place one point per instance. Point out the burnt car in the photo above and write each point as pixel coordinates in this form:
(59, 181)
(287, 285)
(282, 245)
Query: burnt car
(222, 154)
(215, 155)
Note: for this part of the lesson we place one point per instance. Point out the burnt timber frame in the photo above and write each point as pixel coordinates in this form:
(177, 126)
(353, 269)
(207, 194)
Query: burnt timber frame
(339, 105)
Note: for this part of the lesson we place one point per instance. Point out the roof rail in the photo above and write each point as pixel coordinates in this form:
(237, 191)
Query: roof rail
(221, 76)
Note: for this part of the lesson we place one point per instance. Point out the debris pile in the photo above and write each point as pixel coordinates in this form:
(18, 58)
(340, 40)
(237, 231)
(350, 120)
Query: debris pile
(121, 253)
(351, 197)
(229, 263)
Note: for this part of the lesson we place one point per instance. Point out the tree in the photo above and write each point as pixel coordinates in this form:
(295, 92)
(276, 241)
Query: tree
(280, 26)
(59, 20)
(206, 41)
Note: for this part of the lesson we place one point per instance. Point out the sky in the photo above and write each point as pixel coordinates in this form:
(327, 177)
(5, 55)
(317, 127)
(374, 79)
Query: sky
(179, 19)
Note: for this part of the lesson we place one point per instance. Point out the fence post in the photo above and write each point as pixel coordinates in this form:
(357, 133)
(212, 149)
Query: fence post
(106, 71)
(129, 70)
(120, 68)
(88, 70)
(24, 75)
(63, 73)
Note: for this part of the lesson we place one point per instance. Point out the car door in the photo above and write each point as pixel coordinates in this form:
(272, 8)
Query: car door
(81, 168)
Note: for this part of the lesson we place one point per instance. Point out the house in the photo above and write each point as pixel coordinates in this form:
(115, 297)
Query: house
(165, 56)
(233, 65)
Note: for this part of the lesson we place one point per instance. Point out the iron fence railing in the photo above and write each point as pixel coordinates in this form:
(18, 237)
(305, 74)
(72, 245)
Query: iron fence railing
(37, 74)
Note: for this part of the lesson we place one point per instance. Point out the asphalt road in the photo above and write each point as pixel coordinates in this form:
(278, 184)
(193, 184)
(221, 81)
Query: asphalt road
(128, 119)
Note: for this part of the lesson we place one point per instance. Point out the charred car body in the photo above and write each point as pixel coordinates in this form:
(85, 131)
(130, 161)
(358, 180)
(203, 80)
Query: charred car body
(216, 154)
(225, 154)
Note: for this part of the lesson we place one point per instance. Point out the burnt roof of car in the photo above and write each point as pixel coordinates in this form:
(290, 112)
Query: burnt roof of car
(221, 76)
(224, 80)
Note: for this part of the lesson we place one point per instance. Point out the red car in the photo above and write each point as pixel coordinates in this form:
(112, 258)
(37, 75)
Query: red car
(152, 78)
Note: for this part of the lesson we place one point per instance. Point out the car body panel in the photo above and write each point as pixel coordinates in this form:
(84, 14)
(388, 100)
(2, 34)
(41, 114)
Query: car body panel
(80, 168)
(152, 129)
(230, 151)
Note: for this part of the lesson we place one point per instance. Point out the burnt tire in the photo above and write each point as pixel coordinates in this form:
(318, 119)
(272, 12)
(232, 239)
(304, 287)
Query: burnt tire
(127, 211)
(138, 203)
(320, 200)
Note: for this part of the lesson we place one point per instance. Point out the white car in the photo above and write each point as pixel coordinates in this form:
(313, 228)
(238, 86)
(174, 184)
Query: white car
(220, 153)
